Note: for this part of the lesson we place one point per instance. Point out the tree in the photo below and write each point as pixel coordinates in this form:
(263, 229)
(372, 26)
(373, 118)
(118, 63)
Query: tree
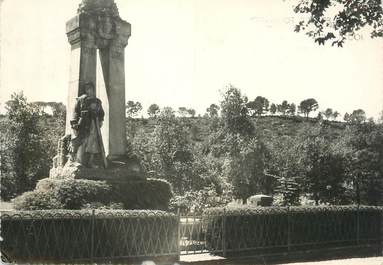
(153, 110)
(346, 117)
(273, 108)
(283, 107)
(308, 105)
(291, 109)
(183, 112)
(335, 115)
(328, 113)
(235, 143)
(27, 156)
(212, 110)
(258, 106)
(357, 116)
(364, 153)
(324, 166)
(7, 164)
(133, 108)
(244, 167)
(285, 165)
(234, 112)
(337, 20)
(191, 112)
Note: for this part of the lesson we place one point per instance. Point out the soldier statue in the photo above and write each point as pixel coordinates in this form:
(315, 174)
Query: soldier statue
(86, 142)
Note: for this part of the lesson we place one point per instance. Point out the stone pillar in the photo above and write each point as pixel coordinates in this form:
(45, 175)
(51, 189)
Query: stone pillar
(80, 31)
(113, 67)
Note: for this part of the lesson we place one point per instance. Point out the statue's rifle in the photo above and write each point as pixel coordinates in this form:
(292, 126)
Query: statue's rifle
(100, 142)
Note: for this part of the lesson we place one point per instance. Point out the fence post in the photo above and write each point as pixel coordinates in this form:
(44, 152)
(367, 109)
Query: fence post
(179, 233)
(92, 235)
(224, 232)
(288, 230)
(357, 225)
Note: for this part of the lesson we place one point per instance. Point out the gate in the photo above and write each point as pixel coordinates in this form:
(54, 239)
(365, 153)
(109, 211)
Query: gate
(195, 234)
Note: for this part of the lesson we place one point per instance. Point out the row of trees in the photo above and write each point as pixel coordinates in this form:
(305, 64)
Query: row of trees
(257, 107)
(238, 159)
(133, 109)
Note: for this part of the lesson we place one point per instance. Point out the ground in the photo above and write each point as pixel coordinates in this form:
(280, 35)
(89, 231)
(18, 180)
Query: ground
(208, 259)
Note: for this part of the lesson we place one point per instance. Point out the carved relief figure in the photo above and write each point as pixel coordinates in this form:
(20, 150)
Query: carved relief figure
(86, 141)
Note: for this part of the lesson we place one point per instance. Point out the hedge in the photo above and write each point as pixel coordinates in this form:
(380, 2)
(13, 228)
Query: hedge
(64, 194)
(77, 194)
(273, 229)
(82, 235)
(146, 194)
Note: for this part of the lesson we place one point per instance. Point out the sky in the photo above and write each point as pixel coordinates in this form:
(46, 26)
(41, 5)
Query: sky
(184, 52)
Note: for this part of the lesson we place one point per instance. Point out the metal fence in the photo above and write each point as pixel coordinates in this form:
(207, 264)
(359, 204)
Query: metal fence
(109, 235)
(88, 235)
(280, 230)
(193, 234)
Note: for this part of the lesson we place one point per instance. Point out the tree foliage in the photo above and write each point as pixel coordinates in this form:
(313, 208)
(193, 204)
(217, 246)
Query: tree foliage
(153, 110)
(283, 107)
(324, 167)
(258, 106)
(212, 110)
(133, 108)
(24, 150)
(234, 112)
(307, 106)
(337, 20)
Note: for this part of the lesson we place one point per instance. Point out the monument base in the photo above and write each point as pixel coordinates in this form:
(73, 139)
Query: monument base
(128, 185)
(121, 169)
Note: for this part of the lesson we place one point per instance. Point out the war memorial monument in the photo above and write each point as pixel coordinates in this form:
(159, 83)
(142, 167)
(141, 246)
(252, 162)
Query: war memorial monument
(94, 146)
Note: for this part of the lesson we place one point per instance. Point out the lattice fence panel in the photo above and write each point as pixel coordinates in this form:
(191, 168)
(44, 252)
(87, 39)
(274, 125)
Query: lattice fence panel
(83, 235)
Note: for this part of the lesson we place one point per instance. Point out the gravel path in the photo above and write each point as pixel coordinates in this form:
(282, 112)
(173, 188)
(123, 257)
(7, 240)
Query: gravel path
(216, 260)
(356, 261)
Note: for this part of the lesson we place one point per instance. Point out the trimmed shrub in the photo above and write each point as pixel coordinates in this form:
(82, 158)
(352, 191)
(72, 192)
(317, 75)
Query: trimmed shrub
(145, 194)
(80, 235)
(76, 194)
(33, 200)
(262, 230)
(63, 194)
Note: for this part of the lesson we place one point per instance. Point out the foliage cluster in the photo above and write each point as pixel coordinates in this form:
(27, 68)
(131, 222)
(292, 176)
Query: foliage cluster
(26, 146)
(239, 153)
(64, 194)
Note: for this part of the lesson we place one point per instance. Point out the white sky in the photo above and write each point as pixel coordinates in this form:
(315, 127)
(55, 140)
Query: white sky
(182, 52)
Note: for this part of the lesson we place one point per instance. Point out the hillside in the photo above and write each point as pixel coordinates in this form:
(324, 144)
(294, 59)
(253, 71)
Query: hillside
(266, 126)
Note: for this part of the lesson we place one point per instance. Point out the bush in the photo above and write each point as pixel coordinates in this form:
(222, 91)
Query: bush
(198, 201)
(145, 194)
(64, 194)
(33, 200)
(79, 235)
(271, 229)
(75, 194)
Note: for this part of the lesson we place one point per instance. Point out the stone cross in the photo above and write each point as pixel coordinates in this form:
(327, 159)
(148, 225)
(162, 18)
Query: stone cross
(98, 26)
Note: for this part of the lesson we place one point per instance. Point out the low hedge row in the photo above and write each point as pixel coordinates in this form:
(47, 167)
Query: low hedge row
(77, 194)
(270, 229)
(81, 235)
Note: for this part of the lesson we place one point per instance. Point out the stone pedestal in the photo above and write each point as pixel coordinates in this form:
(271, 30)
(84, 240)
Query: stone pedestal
(125, 177)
